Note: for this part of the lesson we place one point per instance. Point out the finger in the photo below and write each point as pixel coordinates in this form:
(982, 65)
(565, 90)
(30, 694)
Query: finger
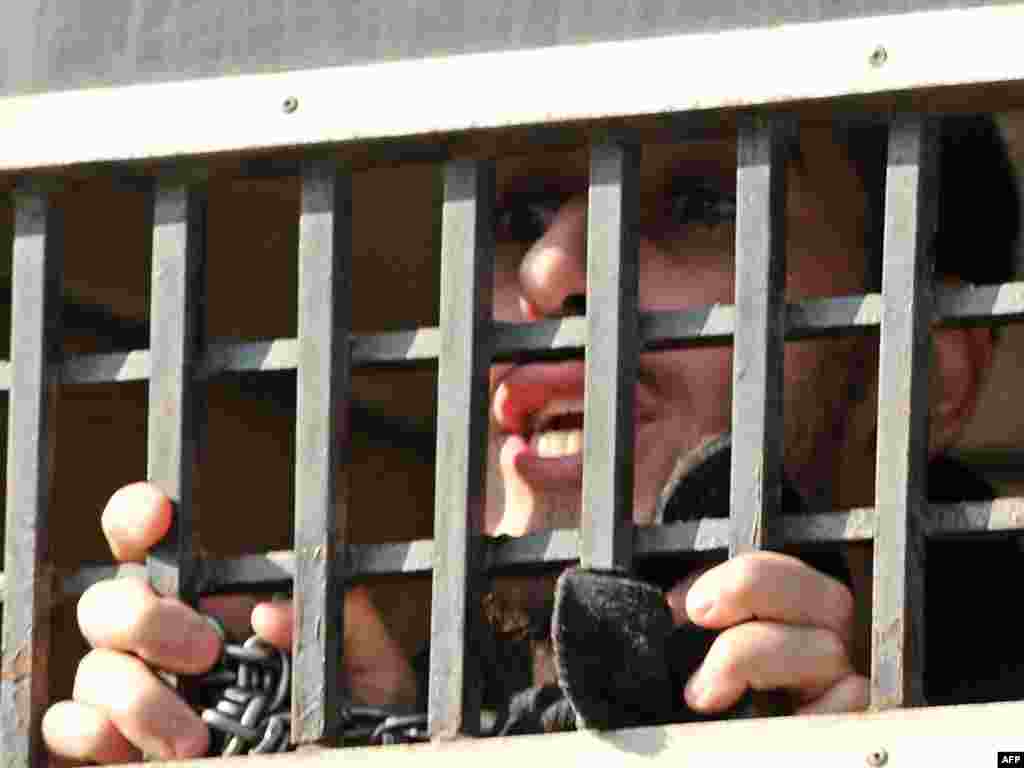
(81, 732)
(773, 587)
(136, 517)
(677, 597)
(272, 621)
(376, 669)
(767, 656)
(126, 615)
(851, 694)
(148, 713)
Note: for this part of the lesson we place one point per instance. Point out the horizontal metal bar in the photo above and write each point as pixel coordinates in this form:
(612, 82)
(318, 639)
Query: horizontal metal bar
(794, 62)
(272, 571)
(951, 735)
(564, 337)
(50, 50)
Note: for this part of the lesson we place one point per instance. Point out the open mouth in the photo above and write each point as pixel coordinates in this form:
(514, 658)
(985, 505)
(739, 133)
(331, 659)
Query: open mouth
(538, 411)
(556, 431)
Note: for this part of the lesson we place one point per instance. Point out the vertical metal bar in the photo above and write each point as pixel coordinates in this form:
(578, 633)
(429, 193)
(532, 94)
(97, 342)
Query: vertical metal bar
(325, 243)
(611, 357)
(898, 618)
(35, 350)
(176, 288)
(466, 306)
(757, 434)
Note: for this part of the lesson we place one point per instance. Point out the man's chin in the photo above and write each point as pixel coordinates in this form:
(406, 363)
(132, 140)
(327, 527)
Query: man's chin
(527, 511)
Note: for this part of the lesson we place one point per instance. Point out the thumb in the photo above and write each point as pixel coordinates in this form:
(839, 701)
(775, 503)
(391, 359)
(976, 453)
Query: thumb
(376, 669)
(676, 597)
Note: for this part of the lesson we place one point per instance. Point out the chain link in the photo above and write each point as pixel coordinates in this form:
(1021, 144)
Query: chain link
(245, 699)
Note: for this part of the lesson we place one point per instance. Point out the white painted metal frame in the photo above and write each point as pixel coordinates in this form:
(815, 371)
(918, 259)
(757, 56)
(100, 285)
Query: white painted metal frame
(582, 82)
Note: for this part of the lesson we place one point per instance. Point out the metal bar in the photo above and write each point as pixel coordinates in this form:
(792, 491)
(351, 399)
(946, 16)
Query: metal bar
(611, 365)
(58, 51)
(175, 408)
(565, 337)
(952, 735)
(757, 434)
(897, 618)
(273, 571)
(466, 310)
(325, 245)
(755, 487)
(35, 370)
(142, 122)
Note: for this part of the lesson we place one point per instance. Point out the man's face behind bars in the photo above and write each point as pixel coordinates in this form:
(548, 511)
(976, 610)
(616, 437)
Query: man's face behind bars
(686, 257)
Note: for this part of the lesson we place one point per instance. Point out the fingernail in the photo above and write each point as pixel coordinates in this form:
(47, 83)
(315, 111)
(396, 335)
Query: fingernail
(677, 607)
(696, 690)
(699, 604)
(203, 641)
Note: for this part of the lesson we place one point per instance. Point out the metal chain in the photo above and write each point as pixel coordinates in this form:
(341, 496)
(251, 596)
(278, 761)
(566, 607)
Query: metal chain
(246, 701)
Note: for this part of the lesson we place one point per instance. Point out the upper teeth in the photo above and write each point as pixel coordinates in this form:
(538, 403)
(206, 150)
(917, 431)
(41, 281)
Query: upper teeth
(553, 409)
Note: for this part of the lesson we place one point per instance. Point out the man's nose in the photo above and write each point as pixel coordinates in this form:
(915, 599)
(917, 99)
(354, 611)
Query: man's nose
(553, 273)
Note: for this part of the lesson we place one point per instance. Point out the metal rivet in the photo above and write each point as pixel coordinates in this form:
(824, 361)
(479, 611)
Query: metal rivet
(290, 105)
(877, 758)
(879, 56)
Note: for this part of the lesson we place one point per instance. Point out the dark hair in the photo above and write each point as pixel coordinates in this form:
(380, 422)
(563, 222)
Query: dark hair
(978, 205)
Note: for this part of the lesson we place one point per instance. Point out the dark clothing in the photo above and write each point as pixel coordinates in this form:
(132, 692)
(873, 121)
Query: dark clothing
(966, 581)
(971, 656)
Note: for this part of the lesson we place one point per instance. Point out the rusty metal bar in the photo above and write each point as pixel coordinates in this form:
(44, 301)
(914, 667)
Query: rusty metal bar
(898, 610)
(175, 408)
(611, 364)
(466, 307)
(35, 376)
(757, 402)
(273, 571)
(565, 337)
(325, 244)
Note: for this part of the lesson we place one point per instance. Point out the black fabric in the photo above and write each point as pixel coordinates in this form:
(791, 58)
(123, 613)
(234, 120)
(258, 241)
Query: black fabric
(610, 637)
(972, 653)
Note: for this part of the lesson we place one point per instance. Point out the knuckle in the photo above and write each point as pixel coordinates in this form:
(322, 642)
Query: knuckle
(729, 650)
(832, 646)
(108, 604)
(859, 689)
(747, 573)
(92, 669)
(841, 598)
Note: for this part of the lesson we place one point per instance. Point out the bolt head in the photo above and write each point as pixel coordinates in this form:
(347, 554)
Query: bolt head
(290, 105)
(879, 56)
(877, 758)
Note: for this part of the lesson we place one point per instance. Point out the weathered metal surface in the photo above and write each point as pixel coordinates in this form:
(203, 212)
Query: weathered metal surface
(565, 337)
(898, 595)
(273, 571)
(321, 436)
(62, 45)
(611, 357)
(175, 404)
(245, 113)
(757, 435)
(35, 350)
(467, 254)
(955, 736)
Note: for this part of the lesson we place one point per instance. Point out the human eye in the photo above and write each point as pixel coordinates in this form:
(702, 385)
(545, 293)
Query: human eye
(524, 219)
(696, 201)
